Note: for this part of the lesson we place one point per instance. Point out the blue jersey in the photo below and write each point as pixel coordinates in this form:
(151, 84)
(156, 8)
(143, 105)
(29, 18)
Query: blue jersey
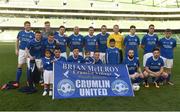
(112, 56)
(132, 65)
(76, 41)
(98, 61)
(88, 60)
(60, 59)
(90, 43)
(149, 42)
(35, 48)
(102, 42)
(131, 42)
(166, 47)
(24, 38)
(47, 64)
(79, 59)
(49, 45)
(62, 41)
(154, 64)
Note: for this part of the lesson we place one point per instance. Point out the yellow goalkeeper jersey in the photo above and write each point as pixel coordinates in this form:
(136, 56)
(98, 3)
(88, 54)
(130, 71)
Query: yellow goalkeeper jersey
(118, 38)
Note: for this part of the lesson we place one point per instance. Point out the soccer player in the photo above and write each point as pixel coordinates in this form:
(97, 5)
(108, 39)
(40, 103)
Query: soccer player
(90, 41)
(102, 42)
(88, 59)
(50, 43)
(57, 56)
(62, 40)
(132, 41)
(167, 45)
(76, 41)
(118, 39)
(154, 68)
(97, 59)
(47, 73)
(75, 58)
(134, 69)
(47, 30)
(148, 43)
(34, 51)
(23, 38)
(112, 53)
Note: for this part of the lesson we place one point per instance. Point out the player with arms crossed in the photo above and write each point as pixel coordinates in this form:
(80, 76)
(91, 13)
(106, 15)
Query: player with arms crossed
(23, 38)
(154, 68)
(167, 45)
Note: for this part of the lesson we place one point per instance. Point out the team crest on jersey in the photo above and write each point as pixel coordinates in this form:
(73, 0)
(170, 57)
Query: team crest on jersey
(171, 43)
(65, 88)
(119, 87)
(159, 64)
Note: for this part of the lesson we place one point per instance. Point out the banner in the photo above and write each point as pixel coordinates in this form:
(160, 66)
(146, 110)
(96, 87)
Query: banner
(72, 80)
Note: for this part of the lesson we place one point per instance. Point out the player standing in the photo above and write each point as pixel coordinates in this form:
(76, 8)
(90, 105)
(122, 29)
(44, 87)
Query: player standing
(167, 45)
(23, 38)
(76, 41)
(148, 43)
(118, 40)
(47, 29)
(61, 38)
(102, 42)
(90, 42)
(75, 58)
(132, 41)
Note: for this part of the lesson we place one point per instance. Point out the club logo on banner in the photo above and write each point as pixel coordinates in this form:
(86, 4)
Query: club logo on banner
(86, 80)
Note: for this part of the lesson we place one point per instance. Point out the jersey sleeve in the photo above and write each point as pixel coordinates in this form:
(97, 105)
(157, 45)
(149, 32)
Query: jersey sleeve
(108, 39)
(143, 40)
(148, 62)
(138, 40)
(175, 43)
(18, 35)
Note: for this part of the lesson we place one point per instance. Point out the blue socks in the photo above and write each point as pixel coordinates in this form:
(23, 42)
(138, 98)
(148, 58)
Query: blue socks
(18, 74)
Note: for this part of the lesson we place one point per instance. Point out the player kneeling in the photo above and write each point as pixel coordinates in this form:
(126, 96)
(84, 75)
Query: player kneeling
(154, 68)
(134, 69)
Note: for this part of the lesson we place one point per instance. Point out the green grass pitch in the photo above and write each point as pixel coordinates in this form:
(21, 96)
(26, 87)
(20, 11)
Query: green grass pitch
(165, 98)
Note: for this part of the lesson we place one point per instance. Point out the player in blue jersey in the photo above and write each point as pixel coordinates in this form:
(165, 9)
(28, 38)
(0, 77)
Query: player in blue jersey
(167, 45)
(154, 68)
(50, 43)
(88, 59)
(132, 41)
(112, 53)
(76, 41)
(90, 41)
(102, 42)
(47, 73)
(96, 57)
(75, 58)
(134, 69)
(23, 38)
(148, 43)
(62, 40)
(57, 56)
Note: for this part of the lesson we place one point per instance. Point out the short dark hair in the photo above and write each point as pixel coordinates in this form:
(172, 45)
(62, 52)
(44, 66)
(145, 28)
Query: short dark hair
(112, 40)
(151, 25)
(51, 34)
(75, 48)
(168, 30)
(47, 50)
(57, 48)
(156, 49)
(91, 27)
(103, 26)
(62, 27)
(46, 22)
(26, 22)
(133, 26)
(87, 52)
(37, 31)
(115, 25)
(96, 51)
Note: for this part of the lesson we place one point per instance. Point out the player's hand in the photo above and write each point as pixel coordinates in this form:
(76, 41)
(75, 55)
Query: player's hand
(17, 52)
(31, 58)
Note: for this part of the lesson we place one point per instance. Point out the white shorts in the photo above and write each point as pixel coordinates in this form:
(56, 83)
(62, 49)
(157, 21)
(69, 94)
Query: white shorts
(64, 54)
(71, 53)
(22, 57)
(145, 57)
(168, 63)
(102, 56)
(48, 77)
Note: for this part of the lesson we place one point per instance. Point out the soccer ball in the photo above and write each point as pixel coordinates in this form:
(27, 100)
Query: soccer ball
(136, 87)
(65, 88)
